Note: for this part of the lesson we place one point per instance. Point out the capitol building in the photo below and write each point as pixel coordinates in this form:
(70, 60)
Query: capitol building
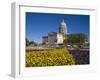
(56, 38)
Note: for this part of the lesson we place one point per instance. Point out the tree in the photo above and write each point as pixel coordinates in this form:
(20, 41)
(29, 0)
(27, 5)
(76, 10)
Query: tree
(30, 42)
(27, 42)
(75, 38)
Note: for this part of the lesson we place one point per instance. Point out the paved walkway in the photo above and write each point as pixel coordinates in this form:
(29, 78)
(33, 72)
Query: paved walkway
(38, 48)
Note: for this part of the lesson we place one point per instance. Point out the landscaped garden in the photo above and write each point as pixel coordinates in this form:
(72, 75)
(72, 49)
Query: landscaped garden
(53, 57)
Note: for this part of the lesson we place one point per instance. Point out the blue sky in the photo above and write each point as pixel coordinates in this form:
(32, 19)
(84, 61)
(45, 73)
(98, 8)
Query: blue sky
(40, 24)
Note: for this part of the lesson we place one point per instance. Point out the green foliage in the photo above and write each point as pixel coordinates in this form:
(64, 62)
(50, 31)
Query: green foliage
(30, 42)
(55, 57)
(85, 46)
(75, 47)
(75, 38)
(27, 42)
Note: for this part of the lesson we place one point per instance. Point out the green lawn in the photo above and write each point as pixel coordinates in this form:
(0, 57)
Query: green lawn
(54, 57)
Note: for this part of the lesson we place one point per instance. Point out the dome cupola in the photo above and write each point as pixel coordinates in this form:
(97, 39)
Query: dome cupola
(63, 24)
(63, 27)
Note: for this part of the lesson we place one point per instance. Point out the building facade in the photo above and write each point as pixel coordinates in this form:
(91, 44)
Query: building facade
(45, 40)
(56, 38)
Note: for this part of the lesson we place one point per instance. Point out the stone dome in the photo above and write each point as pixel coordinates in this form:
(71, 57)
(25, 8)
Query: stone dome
(63, 27)
(63, 24)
